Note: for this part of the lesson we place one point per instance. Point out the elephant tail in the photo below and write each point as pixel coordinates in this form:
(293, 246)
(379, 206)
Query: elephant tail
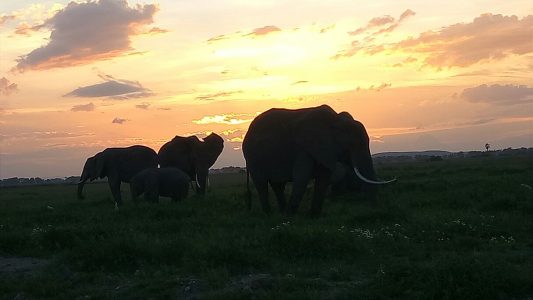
(248, 191)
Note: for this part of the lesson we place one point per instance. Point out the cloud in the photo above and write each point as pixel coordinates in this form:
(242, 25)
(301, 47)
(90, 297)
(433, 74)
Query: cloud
(300, 82)
(375, 88)
(263, 31)
(25, 29)
(85, 32)
(7, 87)
(144, 105)
(5, 18)
(113, 88)
(327, 28)
(406, 14)
(217, 38)
(83, 107)
(217, 95)
(383, 24)
(157, 30)
(408, 60)
(487, 37)
(499, 94)
(230, 119)
(119, 121)
(375, 27)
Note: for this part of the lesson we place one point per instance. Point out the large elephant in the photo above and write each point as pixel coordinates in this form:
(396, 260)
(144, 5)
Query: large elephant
(155, 182)
(192, 156)
(284, 145)
(118, 165)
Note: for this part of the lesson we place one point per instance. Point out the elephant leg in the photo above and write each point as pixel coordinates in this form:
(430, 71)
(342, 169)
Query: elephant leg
(302, 173)
(114, 185)
(134, 194)
(279, 191)
(261, 185)
(321, 187)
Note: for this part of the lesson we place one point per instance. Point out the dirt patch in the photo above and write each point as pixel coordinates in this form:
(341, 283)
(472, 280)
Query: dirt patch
(20, 265)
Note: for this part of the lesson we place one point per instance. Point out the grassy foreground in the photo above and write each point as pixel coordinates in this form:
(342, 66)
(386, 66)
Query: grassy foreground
(452, 229)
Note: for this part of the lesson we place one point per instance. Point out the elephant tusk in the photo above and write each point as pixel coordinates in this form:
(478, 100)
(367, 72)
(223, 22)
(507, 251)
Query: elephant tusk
(363, 178)
(197, 183)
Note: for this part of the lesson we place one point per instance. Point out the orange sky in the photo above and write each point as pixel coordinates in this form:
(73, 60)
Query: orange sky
(77, 77)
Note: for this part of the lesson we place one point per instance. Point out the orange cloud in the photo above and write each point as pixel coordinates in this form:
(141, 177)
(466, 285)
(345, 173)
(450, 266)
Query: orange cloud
(83, 107)
(85, 32)
(486, 37)
(263, 31)
(499, 94)
(383, 24)
(7, 87)
(5, 18)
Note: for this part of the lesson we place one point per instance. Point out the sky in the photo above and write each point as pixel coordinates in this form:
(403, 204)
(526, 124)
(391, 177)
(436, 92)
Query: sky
(77, 77)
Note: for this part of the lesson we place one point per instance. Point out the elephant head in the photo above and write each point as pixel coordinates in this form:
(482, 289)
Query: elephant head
(192, 156)
(332, 138)
(95, 167)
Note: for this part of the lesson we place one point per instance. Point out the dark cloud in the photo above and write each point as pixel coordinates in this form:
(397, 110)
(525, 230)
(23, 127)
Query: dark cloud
(499, 94)
(144, 105)
(113, 88)
(217, 95)
(263, 31)
(119, 121)
(85, 32)
(7, 87)
(83, 107)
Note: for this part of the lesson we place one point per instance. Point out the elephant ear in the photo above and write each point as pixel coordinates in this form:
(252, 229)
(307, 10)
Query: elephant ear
(101, 164)
(211, 148)
(314, 133)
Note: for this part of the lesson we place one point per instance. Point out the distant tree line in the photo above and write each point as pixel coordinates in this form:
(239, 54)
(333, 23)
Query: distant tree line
(389, 157)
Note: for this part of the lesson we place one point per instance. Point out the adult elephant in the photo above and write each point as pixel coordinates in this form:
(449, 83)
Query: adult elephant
(284, 145)
(155, 182)
(192, 156)
(118, 165)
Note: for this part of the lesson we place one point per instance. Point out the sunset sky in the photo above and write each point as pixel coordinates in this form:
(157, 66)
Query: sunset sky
(78, 77)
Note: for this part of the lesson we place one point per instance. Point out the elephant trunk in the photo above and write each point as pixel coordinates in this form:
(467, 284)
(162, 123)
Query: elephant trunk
(81, 183)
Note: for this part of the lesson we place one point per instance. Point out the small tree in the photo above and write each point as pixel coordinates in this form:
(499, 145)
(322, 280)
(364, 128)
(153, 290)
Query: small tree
(487, 146)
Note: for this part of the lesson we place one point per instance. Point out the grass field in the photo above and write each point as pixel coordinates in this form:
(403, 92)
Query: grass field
(451, 229)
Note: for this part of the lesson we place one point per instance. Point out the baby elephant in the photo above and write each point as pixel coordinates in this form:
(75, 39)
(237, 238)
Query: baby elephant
(155, 182)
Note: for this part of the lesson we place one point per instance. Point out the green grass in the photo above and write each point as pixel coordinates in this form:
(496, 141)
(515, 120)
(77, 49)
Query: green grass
(452, 229)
